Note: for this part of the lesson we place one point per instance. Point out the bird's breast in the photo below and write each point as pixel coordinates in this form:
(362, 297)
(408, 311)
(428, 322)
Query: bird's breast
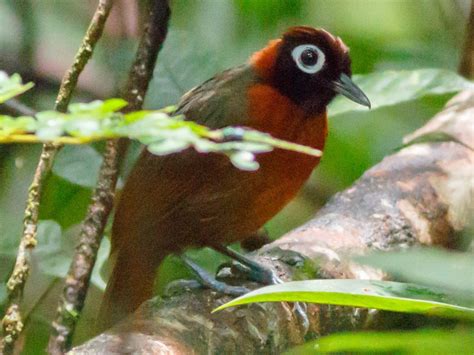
(282, 173)
(271, 112)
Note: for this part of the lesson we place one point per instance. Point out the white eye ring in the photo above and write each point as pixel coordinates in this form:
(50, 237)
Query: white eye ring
(310, 69)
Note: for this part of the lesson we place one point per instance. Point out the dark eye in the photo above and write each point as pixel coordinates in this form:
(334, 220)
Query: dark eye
(309, 58)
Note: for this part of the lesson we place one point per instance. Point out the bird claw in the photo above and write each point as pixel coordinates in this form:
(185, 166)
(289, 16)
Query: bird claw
(264, 275)
(299, 309)
(206, 280)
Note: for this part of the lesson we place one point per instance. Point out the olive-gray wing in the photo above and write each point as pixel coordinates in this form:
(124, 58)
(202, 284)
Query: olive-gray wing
(220, 101)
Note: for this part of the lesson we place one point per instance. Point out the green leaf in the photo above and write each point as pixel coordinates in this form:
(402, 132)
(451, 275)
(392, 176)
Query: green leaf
(384, 295)
(244, 161)
(102, 259)
(17, 125)
(425, 341)
(433, 267)
(78, 165)
(49, 251)
(55, 250)
(389, 88)
(98, 107)
(167, 146)
(259, 137)
(50, 125)
(83, 127)
(11, 86)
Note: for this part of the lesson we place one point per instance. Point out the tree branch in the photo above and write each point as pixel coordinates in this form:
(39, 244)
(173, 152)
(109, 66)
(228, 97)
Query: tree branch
(417, 196)
(12, 322)
(466, 66)
(80, 270)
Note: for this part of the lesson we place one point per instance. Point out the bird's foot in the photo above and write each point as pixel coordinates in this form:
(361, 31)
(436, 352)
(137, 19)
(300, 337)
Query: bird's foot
(205, 279)
(263, 275)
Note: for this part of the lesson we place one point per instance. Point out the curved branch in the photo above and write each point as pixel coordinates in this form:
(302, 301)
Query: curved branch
(417, 196)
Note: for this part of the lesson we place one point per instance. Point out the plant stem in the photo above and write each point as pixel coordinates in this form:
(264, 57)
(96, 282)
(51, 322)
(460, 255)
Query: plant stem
(80, 270)
(12, 322)
(17, 108)
(466, 66)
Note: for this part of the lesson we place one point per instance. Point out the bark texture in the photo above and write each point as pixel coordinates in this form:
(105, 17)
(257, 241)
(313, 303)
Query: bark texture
(421, 195)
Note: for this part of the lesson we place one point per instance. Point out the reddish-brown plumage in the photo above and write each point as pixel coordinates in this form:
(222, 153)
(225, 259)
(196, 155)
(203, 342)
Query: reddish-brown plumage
(264, 60)
(191, 199)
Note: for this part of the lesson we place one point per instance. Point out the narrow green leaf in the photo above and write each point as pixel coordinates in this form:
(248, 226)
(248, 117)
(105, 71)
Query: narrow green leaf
(259, 137)
(425, 341)
(17, 125)
(450, 270)
(98, 107)
(168, 146)
(385, 295)
(11, 86)
(113, 105)
(389, 88)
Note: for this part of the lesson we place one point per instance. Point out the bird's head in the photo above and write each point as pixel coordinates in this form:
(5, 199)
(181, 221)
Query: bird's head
(310, 66)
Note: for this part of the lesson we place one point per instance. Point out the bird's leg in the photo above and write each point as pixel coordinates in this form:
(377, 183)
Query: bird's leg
(262, 274)
(205, 279)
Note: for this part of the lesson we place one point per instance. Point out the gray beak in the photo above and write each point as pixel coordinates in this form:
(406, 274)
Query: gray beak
(345, 86)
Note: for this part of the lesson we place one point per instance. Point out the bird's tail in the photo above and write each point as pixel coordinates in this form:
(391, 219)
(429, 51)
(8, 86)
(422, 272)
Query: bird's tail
(130, 284)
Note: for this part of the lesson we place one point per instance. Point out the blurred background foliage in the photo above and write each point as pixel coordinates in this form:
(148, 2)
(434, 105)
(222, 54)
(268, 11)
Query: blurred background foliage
(39, 38)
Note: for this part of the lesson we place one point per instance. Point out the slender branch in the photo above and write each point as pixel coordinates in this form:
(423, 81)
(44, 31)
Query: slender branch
(141, 72)
(466, 66)
(92, 36)
(16, 108)
(12, 322)
(78, 277)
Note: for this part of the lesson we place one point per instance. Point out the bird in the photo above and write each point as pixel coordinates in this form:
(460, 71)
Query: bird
(191, 200)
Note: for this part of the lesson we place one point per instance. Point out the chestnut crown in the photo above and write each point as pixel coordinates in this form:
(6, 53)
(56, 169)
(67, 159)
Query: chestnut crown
(311, 67)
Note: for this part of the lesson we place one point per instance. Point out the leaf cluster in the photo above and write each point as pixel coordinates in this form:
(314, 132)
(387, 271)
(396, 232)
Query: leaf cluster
(162, 131)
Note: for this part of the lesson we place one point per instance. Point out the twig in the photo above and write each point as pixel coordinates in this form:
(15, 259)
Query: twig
(77, 280)
(12, 322)
(141, 72)
(466, 66)
(16, 108)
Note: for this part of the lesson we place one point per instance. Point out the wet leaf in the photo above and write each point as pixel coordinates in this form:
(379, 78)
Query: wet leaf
(384, 295)
(389, 88)
(426, 341)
